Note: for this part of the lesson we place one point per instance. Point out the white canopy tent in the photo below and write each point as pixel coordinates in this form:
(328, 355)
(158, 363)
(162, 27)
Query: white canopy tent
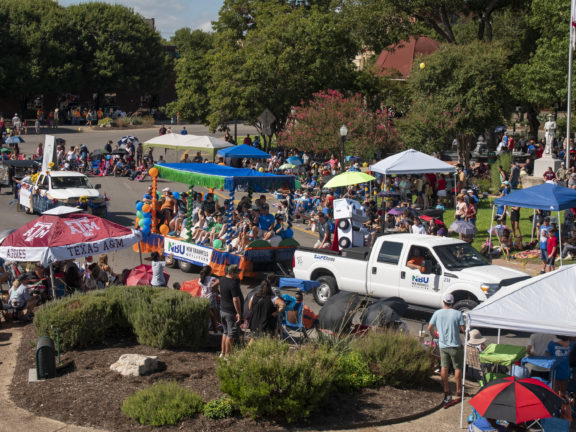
(542, 304)
(411, 162)
(188, 142)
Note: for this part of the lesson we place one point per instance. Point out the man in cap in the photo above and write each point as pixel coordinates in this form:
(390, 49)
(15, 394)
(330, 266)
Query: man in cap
(231, 306)
(449, 323)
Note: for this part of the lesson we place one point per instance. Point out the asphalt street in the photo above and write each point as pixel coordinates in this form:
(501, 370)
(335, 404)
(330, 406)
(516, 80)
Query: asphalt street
(123, 194)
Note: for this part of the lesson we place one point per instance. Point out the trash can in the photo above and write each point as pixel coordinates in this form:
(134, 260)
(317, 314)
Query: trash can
(45, 358)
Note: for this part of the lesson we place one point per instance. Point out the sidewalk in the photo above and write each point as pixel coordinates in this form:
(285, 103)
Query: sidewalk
(15, 419)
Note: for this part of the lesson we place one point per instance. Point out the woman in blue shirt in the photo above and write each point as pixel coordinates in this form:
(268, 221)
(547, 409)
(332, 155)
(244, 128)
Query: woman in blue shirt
(560, 349)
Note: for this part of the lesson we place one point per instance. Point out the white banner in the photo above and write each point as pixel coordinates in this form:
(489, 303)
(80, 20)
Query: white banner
(26, 195)
(194, 254)
(49, 152)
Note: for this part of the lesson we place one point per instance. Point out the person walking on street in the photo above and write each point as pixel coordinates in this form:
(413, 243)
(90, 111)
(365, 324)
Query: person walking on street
(231, 306)
(449, 323)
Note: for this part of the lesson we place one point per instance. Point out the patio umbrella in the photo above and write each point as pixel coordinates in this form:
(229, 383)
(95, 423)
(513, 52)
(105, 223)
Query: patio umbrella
(142, 275)
(98, 153)
(127, 139)
(5, 150)
(120, 151)
(286, 166)
(431, 219)
(14, 140)
(500, 129)
(51, 238)
(383, 312)
(397, 211)
(463, 227)
(516, 400)
(349, 178)
(295, 160)
(337, 313)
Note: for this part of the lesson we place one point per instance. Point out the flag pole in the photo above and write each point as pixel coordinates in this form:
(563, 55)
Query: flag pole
(569, 102)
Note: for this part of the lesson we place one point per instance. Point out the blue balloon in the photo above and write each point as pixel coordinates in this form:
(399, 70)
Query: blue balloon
(139, 205)
(146, 230)
(147, 222)
(176, 195)
(288, 233)
(147, 215)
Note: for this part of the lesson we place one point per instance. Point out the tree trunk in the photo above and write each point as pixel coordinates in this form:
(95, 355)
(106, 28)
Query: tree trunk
(464, 148)
(532, 116)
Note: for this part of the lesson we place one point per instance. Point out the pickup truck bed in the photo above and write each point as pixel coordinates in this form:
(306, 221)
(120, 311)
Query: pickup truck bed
(359, 253)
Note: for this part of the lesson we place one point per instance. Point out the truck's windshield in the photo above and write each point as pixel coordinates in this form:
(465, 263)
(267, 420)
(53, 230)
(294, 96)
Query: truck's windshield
(458, 256)
(71, 182)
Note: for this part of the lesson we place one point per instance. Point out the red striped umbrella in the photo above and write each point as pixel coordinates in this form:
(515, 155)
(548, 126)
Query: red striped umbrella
(516, 401)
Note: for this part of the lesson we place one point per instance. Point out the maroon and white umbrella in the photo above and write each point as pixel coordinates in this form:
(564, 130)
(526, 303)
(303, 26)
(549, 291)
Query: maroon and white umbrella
(49, 238)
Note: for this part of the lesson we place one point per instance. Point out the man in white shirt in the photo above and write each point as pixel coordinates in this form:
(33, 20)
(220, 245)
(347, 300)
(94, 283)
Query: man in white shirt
(418, 228)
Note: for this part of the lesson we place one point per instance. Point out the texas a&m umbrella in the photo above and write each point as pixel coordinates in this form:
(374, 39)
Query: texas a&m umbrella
(51, 238)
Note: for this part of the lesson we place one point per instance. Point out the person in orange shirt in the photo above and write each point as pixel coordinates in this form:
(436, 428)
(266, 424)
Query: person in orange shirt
(416, 260)
(168, 207)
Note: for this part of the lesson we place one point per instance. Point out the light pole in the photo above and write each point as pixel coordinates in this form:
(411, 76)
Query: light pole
(343, 135)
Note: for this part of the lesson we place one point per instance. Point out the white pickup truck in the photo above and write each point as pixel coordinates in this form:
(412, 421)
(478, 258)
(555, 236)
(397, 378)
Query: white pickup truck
(449, 266)
(47, 190)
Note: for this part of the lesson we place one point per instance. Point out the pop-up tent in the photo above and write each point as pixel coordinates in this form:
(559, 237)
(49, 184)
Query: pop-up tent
(546, 196)
(188, 142)
(243, 151)
(411, 162)
(543, 304)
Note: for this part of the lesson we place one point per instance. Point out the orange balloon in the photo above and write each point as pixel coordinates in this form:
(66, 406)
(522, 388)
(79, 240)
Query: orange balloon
(137, 220)
(153, 172)
(146, 208)
(164, 229)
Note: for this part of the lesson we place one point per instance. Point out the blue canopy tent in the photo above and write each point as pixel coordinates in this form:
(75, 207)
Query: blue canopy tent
(243, 151)
(547, 196)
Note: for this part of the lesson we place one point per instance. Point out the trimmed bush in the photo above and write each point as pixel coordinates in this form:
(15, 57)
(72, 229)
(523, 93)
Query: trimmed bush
(353, 372)
(219, 408)
(162, 404)
(267, 379)
(159, 317)
(82, 320)
(396, 358)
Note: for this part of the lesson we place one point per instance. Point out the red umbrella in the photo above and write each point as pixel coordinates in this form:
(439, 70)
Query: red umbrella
(516, 401)
(142, 275)
(49, 238)
(433, 219)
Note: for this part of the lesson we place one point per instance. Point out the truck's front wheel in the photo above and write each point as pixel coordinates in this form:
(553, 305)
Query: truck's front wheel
(465, 305)
(328, 288)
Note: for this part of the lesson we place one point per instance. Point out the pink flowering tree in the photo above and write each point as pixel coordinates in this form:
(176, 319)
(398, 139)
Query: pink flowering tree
(314, 126)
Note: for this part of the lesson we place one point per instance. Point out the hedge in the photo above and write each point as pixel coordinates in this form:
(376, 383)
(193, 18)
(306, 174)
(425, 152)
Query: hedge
(158, 317)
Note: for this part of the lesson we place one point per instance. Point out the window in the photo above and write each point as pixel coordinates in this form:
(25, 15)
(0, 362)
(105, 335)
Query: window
(390, 252)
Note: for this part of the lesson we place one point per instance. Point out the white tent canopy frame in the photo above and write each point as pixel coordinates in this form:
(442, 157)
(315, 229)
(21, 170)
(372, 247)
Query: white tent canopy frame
(542, 304)
(188, 142)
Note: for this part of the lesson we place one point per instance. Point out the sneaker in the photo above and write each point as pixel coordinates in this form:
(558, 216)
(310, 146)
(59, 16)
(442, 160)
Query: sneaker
(447, 401)
(452, 402)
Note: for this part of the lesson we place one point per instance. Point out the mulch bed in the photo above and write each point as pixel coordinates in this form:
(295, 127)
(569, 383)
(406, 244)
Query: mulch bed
(90, 394)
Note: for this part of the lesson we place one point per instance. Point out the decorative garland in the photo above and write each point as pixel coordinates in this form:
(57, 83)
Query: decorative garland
(290, 207)
(189, 211)
(229, 217)
(154, 174)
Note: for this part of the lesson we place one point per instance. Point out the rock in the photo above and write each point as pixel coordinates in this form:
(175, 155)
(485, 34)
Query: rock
(135, 364)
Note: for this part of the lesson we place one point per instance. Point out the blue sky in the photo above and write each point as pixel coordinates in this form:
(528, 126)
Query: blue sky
(170, 15)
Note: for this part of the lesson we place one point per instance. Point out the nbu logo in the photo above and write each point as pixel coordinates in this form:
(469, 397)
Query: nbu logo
(420, 279)
(177, 248)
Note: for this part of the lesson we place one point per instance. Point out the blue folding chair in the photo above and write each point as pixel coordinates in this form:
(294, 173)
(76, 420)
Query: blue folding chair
(293, 329)
(554, 424)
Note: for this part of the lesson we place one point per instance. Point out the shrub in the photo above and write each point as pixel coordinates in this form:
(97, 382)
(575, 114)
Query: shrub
(505, 159)
(122, 121)
(148, 121)
(267, 379)
(396, 358)
(82, 320)
(162, 404)
(135, 120)
(106, 121)
(219, 408)
(159, 317)
(353, 372)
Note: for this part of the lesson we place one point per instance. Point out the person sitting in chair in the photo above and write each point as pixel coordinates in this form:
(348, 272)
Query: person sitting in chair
(20, 298)
(416, 259)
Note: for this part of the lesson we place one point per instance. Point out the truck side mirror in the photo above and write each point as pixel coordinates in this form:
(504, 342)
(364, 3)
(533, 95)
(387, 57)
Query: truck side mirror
(98, 186)
(426, 267)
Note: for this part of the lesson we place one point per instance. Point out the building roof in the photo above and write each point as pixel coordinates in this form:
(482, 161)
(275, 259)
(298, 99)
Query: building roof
(399, 58)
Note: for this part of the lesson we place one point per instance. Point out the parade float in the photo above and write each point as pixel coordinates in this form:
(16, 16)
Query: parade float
(259, 257)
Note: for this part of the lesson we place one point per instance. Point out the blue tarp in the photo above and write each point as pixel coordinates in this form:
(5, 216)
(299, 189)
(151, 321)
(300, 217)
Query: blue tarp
(546, 196)
(224, 177)
(243, 151)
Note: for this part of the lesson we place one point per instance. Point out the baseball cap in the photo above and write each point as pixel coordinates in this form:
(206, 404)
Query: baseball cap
(232, 268)
(469, 191)
(147, 196)
(167, 189)
(448, 298)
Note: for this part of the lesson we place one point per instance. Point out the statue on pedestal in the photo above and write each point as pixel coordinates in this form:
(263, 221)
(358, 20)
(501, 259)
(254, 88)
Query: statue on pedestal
(550, 129)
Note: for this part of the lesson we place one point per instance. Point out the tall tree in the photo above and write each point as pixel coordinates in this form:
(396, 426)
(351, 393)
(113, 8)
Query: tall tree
(272, 55)
(457, 95)
(192, 74)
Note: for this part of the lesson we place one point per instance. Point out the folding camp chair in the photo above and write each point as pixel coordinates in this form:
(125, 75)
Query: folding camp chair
(554, 424)
(292, 325)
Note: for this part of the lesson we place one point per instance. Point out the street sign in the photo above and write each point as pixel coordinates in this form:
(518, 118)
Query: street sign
(267, 118)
